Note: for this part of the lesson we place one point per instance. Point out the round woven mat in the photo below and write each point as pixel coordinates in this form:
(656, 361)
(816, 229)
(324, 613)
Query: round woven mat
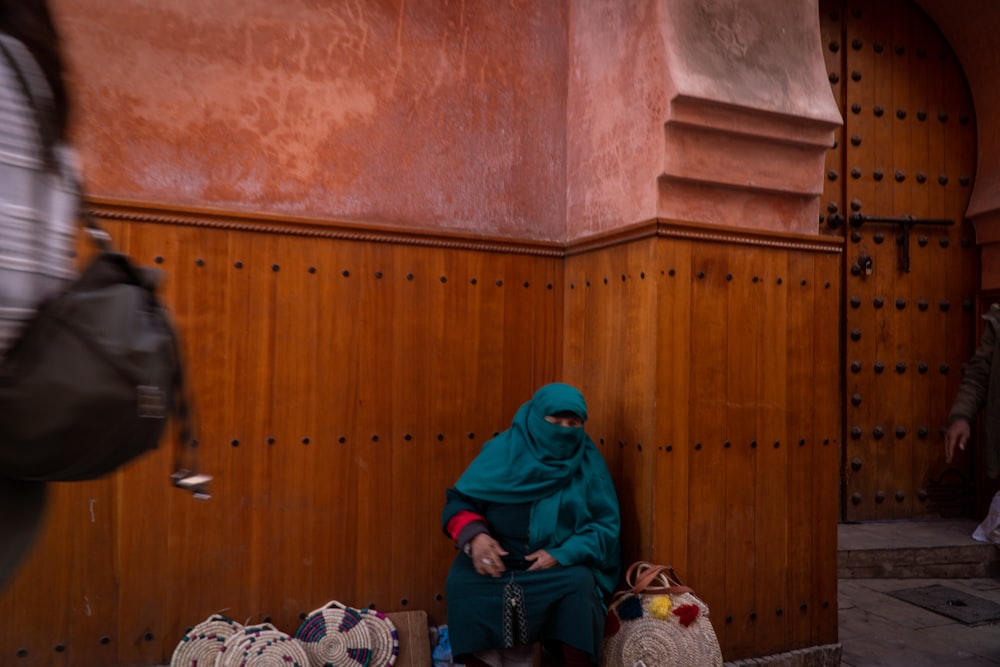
(203, 642)
(384, 638)
(661, 643)
(336, 636)
(262, 646)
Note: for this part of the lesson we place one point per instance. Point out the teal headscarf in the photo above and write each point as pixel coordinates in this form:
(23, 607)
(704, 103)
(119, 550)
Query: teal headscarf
(574, 515)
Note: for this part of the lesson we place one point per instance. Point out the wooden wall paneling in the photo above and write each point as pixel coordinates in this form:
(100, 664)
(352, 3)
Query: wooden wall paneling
(288, 446)
(710, 329)
(672, 504)
(339, 327)
(527, 353)
(442, 320)
(203, 534)
(603, 360)
(801, 441)
(826, 392)
(772, 497)
(467, 388)
(92, 558)
(373, 463)
(637, 393)
(146, 520)
(574, 323)
(253, 368)
(744, 301)
(549, 298)
(518, 381)
(421, 364)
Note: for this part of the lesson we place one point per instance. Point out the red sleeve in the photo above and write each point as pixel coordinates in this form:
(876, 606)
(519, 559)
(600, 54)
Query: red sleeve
(460, 520)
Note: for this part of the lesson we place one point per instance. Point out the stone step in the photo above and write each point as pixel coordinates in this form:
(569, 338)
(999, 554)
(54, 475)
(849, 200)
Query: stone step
(914, 549)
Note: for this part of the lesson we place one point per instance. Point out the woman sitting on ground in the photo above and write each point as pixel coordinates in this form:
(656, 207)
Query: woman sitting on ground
(536, 519)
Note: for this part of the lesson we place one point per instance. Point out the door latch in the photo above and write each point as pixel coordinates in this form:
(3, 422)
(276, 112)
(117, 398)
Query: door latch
(906, 223)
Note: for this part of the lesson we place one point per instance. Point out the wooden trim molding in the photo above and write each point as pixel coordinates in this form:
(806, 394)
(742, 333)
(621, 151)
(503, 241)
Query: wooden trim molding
(107, 209)
(662, 228)
(128, 211)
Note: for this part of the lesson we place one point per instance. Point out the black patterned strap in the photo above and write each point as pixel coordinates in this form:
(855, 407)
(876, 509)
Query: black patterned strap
(515, 622)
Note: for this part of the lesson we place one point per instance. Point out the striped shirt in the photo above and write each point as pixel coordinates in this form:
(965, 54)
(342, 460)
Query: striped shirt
(38, 208)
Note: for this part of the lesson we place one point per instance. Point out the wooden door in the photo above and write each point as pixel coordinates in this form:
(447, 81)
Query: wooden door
(901, 171)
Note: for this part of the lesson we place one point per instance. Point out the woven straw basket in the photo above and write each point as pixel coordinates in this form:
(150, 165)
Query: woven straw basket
(203, 643)
(336, 636)
(657, 622)
(384, 638)
(261, 646)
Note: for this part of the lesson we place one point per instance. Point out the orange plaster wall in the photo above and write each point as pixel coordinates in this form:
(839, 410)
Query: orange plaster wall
(446, 115)
(718, 113)
(616, 108)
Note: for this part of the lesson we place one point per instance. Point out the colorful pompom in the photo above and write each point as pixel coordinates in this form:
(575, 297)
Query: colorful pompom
(630, 608)
(686, 613)
(659, 607)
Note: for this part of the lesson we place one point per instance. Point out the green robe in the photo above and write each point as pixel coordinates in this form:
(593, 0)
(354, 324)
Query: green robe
(539, 486)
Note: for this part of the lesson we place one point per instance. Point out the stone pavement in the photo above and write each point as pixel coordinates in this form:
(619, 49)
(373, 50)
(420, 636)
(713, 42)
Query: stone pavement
(879, 630)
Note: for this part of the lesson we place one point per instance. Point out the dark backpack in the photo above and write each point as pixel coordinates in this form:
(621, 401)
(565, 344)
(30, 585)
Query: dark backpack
(89, 384)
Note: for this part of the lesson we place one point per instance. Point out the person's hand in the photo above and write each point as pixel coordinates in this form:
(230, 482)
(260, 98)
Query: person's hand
(542, 560)
(487, 555)
(955, 437)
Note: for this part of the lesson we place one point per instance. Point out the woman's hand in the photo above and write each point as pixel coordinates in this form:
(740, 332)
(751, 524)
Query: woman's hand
(542, 560)
(486, 555)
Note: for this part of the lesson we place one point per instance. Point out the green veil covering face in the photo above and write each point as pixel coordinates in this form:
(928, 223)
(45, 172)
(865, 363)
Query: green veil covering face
(574, 514)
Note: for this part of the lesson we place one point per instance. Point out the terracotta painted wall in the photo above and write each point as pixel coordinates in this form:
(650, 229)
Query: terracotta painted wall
(445, 115)
(696, 111)
(615, 113)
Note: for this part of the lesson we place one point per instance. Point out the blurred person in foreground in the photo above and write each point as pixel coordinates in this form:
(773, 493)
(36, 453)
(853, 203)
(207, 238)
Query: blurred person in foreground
(38, 224)
(535, 518)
